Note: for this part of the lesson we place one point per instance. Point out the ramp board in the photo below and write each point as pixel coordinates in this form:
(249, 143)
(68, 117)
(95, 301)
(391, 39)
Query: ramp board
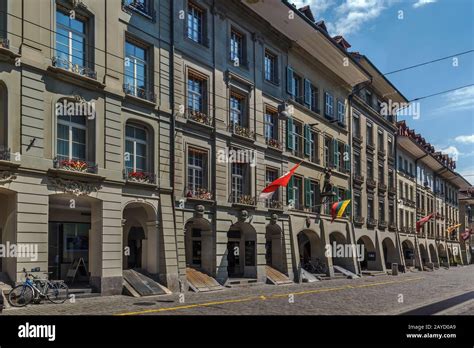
(143, 285)
(307, 277)
(201, 282)
(276, 277)
(344, 271)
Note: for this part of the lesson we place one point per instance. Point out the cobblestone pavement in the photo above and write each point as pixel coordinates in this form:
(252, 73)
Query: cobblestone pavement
(367, 295)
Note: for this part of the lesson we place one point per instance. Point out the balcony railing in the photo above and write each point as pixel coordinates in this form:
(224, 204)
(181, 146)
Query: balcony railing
(274, 143)
(382, 224)
(359, 220)
(200, 194)
(75, 165)
(371, 222)
(238, 198)
(4, 43)
(142, 93)
(137, 176)
(199, 117)
(75, 68)
(241, 131)
(371, 183)
(381, 153)
(274, 204)
(358, 138)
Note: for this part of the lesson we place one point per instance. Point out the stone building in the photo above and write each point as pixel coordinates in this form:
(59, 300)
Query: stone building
(90, 179)
(374, 173)
(236, 68)
(436, 184)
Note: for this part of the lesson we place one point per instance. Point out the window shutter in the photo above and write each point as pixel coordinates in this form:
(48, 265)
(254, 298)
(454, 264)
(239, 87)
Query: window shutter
(290, 144)
(317, 196)
(307, 140)
(307, 93)
(347, 155)
(290, 192)
(336, 154)
(289, 81)
(307, 193)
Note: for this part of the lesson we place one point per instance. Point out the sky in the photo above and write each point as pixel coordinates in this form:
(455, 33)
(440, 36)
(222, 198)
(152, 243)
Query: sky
(396, 34)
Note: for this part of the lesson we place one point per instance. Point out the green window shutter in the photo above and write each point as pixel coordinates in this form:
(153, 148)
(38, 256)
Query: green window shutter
(307, 93)
(290, 143)
(347, 155)
(290, 193)
(336, 154)
(307, 193)
(289, 81)
(307, 140)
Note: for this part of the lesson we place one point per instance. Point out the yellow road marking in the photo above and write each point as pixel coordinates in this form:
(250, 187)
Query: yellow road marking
(256, 298)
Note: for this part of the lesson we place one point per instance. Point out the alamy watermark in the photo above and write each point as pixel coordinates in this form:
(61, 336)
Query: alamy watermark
(76, 108)
(27, 251)
(227, 155)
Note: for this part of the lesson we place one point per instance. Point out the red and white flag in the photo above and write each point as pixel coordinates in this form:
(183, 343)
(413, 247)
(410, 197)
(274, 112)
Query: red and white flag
(281, 181)
(421, 222)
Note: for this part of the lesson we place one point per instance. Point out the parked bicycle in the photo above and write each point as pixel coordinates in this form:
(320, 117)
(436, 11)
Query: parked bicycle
(36, 289)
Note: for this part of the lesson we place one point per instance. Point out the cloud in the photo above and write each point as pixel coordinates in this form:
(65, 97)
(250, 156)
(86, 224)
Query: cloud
(465, 139)
(459, 100)
(451, 151)
(421, 3)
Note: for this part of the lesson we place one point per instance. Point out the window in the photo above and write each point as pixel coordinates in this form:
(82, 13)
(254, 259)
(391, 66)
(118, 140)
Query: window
(400, 163)
(237, 109)
(297, 89)
(270, 125)
(341, 114)
(406, 191)
(368, 97)
(197, 169)
(411, 169)
(401, 222)
(370, 168)
(380, 141)
(357, 205)
(297, 139)
(270, 176)
(390, 146)
(400, 186)
(197, 99)
(298, 192)
(237, 47)
(313, 204)
(313, 104)
(411, 193)
(370, 207)
(314, 147)
(195, 23)
(239, 181)
(390, 178)
(381, 209)
(136, 70)
(391, 214)
(271, 67)
(71, 41)
(381, 173)
(370, 135)
(136, 147)
(329, 105)
(356, 126)
(72, 138)
(357, 164)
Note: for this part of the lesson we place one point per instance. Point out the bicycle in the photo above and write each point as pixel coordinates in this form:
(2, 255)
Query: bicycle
(36, 289)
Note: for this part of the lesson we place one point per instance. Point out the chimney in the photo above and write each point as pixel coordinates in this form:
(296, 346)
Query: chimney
(341, 42)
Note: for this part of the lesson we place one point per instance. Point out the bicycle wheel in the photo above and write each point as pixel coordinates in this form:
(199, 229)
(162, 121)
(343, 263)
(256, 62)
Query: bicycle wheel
(20, 296)
(58, 292)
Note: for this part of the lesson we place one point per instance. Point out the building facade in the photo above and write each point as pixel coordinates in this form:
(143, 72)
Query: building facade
(138, 134)
(86, 117)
